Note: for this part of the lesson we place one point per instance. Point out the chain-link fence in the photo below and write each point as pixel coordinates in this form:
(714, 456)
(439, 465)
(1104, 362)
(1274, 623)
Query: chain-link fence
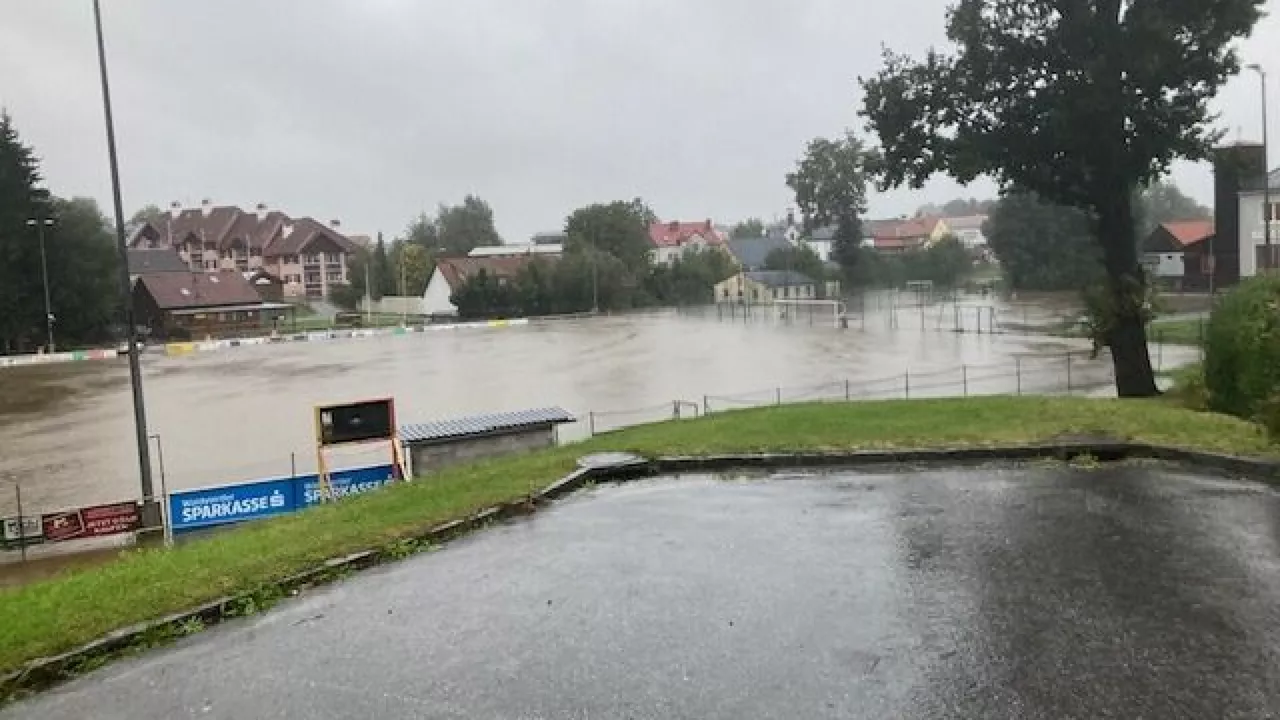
(1068, 373)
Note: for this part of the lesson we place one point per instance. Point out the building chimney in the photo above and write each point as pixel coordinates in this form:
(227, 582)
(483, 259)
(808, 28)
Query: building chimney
(673, 226)
(709, 225)
(335, 223)
(175, 209)
(206, 206)
(262, 211)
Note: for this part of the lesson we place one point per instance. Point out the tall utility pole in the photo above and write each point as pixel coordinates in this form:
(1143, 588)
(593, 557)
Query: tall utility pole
(150, 516)
(595, 282)
(40, 225)
(1266, 166)
(368, 293)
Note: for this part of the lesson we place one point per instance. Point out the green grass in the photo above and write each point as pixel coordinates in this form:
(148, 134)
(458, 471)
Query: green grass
(1181, 331)
(1185, 331)
(60, 613)
(314, 323)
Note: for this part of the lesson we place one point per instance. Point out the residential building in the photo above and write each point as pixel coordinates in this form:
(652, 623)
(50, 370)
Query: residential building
(1177, 254)
(765, 286)
(750, 253)
(310, 257)
(269, 287)
(549, 238)
(966, 229)
(899, 236)
(451, 273)
(160, 260)
(821, 241)
(512, 250)
(672, 239)
(1252, 234)
(188, 305)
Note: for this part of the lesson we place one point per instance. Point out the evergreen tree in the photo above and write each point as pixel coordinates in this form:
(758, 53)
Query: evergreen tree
(21, 199)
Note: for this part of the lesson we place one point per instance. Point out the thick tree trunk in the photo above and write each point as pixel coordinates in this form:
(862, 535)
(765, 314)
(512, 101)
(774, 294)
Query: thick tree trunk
(1126, 295)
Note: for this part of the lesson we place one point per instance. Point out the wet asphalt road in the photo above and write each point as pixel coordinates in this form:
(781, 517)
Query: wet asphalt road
(990, 592)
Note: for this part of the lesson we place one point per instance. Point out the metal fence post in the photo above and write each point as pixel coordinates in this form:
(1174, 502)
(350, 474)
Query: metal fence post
(906, 384)
(1068, 372)
(846, 389)
(964, 375)
(706, 406)
(591, 423)
(778, 394)
(675, 409)
(1017, 369)
(166, 522)
(22, 525)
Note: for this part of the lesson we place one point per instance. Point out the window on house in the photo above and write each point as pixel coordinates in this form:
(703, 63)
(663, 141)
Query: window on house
(1274, 214)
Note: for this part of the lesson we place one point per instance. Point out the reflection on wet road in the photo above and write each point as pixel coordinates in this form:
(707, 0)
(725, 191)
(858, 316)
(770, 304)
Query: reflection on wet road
(984, 592)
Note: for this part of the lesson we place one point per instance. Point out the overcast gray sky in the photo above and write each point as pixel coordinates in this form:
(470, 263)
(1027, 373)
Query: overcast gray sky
(373, 110)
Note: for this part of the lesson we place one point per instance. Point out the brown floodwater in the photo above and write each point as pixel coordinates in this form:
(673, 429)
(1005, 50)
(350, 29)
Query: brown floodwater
(66, 431)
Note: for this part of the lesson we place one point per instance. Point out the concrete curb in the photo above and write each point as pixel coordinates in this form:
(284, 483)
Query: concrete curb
(46, 672)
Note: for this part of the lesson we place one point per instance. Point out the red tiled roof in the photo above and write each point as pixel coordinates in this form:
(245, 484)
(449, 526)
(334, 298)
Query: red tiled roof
(675, 233)
(1189, 232)
(900, 233)
(457, 270)
(173, 291)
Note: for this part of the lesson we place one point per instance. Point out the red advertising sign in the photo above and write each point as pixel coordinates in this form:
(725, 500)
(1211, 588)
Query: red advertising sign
(92, 522)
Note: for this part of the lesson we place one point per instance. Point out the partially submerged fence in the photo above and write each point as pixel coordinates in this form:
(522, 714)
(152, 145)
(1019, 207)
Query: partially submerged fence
(1067, 373)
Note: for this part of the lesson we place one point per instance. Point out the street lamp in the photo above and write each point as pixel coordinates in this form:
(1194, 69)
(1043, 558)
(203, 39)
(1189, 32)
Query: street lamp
(126, 287)
(1266, 166)
(40, 225)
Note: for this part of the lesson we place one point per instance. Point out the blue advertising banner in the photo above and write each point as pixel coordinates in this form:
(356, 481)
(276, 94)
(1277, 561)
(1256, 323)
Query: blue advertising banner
(344, 483)
(208, 507)
(232, 503)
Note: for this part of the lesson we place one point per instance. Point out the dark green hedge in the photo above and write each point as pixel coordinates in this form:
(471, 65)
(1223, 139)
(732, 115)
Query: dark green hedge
(1242, 352)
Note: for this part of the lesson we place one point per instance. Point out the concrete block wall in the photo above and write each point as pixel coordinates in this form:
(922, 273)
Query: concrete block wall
(426, 458)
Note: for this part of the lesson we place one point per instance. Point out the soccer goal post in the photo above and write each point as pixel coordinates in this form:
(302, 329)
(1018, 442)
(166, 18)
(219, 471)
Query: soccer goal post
(833, 311)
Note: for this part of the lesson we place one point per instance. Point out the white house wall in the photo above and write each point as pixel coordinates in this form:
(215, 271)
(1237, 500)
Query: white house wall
(1252, 234)
(435, 300)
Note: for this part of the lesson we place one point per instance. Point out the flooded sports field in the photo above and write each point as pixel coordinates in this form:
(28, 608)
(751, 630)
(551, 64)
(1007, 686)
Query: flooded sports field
(66, 431)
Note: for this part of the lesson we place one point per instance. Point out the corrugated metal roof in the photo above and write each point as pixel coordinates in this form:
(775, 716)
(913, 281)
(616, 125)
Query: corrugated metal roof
(482, 424)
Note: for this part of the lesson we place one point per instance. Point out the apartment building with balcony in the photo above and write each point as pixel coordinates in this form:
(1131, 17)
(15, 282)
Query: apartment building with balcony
(310, 257)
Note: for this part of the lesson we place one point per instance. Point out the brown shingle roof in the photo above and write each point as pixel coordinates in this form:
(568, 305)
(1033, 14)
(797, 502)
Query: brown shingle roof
(173, 291)
(457, 270)
(224, 225)
(162, 260)
(302, 233)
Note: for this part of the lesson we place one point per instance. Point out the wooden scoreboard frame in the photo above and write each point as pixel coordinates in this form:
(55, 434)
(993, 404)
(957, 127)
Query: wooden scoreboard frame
(340, 425)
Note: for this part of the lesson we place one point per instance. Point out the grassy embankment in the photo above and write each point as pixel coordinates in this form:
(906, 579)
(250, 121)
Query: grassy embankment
(1172, 331)
(1180, 331)
(63, 612)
